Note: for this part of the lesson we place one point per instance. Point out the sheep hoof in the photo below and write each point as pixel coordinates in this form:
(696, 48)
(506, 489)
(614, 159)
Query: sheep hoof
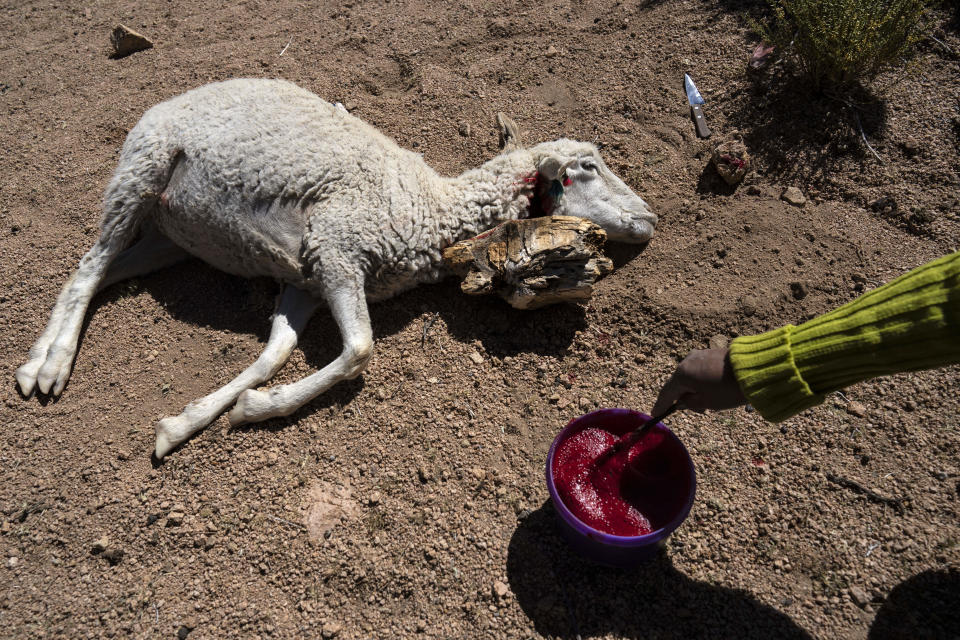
(251, 406)
(171, 433)
(26, 377)
(53, 375)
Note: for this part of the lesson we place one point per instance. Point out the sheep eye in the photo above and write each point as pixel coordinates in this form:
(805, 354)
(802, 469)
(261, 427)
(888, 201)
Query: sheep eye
(589, 166)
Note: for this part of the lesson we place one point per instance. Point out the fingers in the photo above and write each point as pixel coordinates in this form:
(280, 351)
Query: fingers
(670, 394)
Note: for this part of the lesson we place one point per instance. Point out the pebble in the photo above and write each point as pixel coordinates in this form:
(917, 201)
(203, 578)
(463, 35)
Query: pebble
(374, 498)
(175, 518)
(100, 545)
(857, 409)
(859, 596)
(113, 555)
(12, 562)
(500, 590)
(331, 630)
(793, 195)
(464, 129)
(475, 357)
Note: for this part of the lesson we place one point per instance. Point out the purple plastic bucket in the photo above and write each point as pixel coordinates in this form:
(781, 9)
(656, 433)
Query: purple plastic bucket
(622, 551)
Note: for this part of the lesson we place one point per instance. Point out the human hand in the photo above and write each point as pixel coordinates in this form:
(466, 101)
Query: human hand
(704, 380)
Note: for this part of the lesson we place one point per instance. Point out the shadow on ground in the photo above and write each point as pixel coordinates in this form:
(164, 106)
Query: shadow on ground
(567, 597)
(924, 606)
(796, 133)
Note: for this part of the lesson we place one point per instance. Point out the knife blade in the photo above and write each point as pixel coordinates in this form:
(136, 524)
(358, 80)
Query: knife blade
(696, 100)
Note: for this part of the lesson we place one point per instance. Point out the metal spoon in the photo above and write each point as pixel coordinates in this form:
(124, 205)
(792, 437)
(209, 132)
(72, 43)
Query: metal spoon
(635, 435)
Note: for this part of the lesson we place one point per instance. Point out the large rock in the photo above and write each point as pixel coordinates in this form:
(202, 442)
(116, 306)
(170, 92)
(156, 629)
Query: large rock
(731, 160)
(532, 263)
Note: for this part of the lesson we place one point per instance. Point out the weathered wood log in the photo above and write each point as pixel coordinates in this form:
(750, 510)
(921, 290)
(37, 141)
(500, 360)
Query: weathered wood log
(534, 262)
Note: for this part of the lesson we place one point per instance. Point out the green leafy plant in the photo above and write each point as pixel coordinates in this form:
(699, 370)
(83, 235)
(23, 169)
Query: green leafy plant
(839, 43)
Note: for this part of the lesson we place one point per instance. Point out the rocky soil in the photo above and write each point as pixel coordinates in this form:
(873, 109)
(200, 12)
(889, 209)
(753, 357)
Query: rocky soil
(411, 502)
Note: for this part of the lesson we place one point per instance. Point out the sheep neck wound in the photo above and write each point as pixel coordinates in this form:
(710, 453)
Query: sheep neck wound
(507, 187)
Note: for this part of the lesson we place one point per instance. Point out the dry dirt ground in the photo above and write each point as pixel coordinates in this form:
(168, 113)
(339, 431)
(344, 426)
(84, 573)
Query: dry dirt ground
(410, 502)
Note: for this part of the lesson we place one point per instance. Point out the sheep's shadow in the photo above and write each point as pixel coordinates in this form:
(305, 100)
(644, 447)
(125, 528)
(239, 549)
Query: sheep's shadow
(567, 597)
(232, 304)
(926, 605)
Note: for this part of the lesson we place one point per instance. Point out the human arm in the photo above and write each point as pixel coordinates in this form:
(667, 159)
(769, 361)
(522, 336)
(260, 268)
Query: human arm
(909, 324)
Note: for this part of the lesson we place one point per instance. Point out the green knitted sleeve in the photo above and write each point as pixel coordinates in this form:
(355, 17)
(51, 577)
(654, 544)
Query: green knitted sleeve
(909, 324)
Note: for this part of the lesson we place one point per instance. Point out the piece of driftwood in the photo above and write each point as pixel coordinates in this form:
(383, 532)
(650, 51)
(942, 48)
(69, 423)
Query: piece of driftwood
(534, 262)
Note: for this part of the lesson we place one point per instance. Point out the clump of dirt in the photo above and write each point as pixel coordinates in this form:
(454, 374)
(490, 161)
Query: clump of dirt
(435, 455)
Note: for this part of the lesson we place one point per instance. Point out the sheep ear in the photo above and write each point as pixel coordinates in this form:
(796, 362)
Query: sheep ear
(553, 168)
(509, 133)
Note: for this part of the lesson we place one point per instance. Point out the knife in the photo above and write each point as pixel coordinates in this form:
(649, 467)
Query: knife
(695, 100)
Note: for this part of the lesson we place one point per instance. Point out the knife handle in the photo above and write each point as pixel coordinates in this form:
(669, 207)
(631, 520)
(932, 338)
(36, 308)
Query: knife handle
(701, 123)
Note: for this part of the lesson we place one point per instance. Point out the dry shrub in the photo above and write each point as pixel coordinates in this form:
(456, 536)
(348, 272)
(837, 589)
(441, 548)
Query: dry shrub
(840, 43)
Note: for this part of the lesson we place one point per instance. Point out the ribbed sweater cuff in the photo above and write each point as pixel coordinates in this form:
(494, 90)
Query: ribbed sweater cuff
(768, 375)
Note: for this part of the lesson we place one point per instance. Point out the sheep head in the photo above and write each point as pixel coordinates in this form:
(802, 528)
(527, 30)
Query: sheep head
(573, 180)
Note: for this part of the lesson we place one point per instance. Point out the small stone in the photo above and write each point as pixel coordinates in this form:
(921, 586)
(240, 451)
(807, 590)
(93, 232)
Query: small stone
(799, 290)
(719, 341)
(424, 473)
(500, 590)
(113, 555)
(859, 596)
(272, 458)
(476, 358)
(374, 498)
(331, 630)
(479, 473)
(552, 52)
(464, 129)
(857, 409)
(175, 518)
(100, 545)
(911, 147)
(183, 632)
(126, 41)
(12, 562)
(748, 305)
(884, 205)
(794, 196)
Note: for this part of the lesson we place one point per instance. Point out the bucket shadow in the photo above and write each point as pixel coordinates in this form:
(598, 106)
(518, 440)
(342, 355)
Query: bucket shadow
(924, 606)
(567, 597)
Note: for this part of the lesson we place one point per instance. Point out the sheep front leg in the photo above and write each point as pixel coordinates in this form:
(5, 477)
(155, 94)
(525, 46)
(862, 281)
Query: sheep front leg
(348, 305)
(293, 312)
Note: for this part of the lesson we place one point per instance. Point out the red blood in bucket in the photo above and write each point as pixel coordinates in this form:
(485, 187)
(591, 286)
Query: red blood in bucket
(631, 493)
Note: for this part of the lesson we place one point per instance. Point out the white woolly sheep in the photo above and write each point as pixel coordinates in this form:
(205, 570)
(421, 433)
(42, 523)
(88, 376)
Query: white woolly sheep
(263, 178)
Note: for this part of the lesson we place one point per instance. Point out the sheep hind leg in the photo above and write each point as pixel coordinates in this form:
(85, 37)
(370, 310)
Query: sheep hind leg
(50, 360)
(293, 312)
(348, 306)
(153, 251)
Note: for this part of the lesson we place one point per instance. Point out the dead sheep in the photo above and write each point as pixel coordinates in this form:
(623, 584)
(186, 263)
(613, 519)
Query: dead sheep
(263, 178)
